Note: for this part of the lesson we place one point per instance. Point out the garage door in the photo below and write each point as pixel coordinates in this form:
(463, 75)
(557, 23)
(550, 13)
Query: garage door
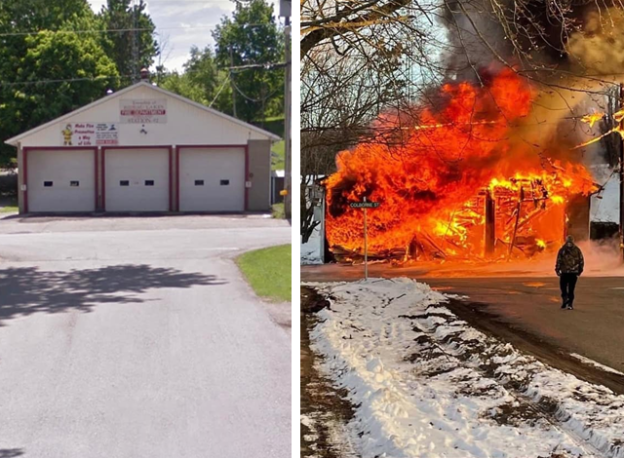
(137, 180)
(61, 181)
(212, 179)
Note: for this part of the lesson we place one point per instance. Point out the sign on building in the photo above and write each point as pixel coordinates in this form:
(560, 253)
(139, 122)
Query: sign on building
(90, 134)
(143, 111)
(106, 134)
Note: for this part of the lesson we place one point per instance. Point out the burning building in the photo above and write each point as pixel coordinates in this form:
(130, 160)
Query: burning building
(463, 180)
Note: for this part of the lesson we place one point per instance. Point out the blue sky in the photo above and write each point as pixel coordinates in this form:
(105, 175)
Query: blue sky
(184, 23)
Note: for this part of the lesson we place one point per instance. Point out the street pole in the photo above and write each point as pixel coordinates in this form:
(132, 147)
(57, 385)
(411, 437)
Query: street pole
(621, 172)
(287, 127)
(232, 84)
(365, 246)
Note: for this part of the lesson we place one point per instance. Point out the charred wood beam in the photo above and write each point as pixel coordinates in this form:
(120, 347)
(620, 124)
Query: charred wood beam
(490, 224)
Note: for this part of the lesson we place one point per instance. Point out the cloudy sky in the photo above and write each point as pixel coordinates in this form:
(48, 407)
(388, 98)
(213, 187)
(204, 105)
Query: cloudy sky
(184, 23)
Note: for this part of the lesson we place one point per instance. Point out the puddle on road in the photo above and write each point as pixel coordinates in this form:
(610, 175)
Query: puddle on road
(534, 284)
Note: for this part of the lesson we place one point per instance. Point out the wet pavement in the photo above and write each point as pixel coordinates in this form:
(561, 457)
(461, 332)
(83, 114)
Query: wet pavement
(529, 305)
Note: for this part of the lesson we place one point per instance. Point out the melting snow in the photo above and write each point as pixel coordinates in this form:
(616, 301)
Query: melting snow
(311, 251)
(426, 384)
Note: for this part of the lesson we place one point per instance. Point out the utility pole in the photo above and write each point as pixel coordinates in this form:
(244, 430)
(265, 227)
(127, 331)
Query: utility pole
(365, 245)
(135, 44)
(621, 172)
(232, 83)
(287, 128)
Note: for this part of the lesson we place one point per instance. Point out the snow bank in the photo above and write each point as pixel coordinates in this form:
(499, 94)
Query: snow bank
(425, 384)
(311, 251)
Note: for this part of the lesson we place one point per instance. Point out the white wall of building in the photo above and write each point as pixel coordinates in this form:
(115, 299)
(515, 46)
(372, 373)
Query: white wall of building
(185, 124)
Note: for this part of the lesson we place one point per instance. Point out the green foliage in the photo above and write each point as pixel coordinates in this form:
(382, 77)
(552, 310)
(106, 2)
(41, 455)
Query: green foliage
(9, 206)
(201, 81)
(252, 36)
(121, 15)
(269, 272)
(36, 15)
(48, 51)
(63, 56)
(54, 56)
(277, 155)
(278, 211)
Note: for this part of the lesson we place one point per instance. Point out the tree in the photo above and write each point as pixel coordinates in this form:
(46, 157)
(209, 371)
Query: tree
(569, 51)
(50, 56)
(251, 36)
(137, 25)
(35, 15)
(201, 81)
(47, 70)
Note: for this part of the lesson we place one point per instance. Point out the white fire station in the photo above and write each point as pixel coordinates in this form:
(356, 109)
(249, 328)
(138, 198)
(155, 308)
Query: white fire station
(144, 149)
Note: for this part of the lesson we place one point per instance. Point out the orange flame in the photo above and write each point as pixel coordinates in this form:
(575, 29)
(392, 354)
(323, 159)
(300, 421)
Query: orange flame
(432, 185)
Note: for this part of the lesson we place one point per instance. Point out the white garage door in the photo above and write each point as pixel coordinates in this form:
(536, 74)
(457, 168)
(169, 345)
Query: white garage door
(137, 180)
(61, 181)
(212, 179)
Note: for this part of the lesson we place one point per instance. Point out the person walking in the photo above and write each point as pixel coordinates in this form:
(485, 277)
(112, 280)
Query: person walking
(569, 267)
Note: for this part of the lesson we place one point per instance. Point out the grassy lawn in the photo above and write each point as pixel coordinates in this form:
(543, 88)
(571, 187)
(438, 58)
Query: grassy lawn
(268, 272)
(278, 211)
(278, 151)
(10, 206)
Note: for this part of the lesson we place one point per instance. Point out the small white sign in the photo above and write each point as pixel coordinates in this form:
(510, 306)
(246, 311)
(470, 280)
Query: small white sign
(143, 111)
(248, 184)
(106, 134)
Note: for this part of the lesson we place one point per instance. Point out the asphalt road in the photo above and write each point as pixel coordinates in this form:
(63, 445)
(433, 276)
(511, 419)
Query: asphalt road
(531, 306)
(140, 339)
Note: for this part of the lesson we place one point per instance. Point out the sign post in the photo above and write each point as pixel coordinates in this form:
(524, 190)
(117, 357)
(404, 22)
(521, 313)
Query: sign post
(364, 205)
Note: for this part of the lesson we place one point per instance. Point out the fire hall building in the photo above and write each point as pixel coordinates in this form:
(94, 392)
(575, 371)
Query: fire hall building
(144, 149)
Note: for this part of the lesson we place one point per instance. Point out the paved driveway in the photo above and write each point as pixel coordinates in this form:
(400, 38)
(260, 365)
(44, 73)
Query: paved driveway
(139, 338)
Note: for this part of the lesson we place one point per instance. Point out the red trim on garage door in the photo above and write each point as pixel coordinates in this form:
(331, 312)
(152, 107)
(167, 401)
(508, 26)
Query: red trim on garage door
(167, 147)
(177, 178)
(170, 179)
(25, 150)
(103, 179)
(180, 147)
(246, 177)
(97, 179)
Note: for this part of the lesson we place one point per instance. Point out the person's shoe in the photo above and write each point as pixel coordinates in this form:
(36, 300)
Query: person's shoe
(569, 307)
(564, 305)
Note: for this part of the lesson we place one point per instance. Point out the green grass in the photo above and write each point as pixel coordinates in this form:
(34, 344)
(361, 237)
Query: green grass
(11, 207)
(278, 211)
(277, 159)
(268, 272)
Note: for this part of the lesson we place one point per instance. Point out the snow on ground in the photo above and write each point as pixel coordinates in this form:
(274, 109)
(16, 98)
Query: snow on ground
(311, 251)
(425, 384)
(591, 362)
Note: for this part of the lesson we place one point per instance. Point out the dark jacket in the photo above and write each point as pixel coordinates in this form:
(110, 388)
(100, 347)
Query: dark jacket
(570, 260)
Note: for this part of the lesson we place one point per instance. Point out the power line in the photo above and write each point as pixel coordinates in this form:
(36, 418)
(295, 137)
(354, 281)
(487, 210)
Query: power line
(108, 77)
(205, 26)
(66, 80)
(78, 32)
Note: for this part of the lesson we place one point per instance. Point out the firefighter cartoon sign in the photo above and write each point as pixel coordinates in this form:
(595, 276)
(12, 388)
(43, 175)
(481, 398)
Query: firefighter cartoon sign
(67, 135)
(90, 134)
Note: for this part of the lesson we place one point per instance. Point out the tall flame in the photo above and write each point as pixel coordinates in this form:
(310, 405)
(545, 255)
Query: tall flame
(432, 185)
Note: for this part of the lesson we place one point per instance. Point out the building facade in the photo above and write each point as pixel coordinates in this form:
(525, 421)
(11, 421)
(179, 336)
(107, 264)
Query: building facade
(144, 150)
